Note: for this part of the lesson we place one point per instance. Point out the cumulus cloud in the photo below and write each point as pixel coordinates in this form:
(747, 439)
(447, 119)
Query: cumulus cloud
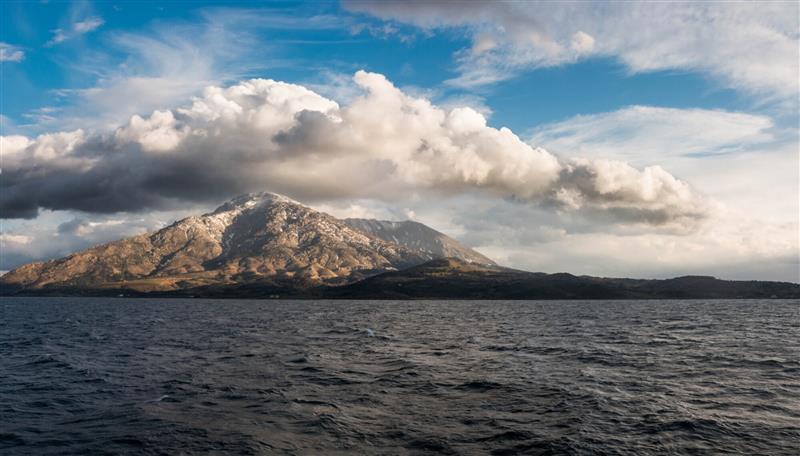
(266, 134)
(742, 160)
(10, 53)
(749, 46)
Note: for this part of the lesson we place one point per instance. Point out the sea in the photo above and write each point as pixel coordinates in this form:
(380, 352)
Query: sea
(102, 376)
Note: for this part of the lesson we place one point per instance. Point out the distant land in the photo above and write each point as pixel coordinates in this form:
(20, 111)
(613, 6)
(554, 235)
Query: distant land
(264, 245)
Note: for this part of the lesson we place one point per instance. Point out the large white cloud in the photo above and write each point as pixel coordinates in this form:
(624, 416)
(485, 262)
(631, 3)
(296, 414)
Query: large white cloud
(746, 164)
(265, 134)
(747, 45)
(390, 155)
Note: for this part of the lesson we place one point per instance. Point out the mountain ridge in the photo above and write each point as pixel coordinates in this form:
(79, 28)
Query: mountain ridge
(267, 245)
(418, 236)
(452, 278)
(257, 237)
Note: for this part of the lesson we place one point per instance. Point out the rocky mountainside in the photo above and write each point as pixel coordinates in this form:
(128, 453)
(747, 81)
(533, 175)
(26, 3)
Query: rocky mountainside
(257, 238)
(419, 237)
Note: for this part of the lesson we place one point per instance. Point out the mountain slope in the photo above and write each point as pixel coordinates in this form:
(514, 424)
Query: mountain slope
(253, 238)
(452, 278)
(419, 237)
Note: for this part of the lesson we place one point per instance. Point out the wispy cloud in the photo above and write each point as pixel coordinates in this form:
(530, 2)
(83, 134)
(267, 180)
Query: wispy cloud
(75, 29)
(169, 61)
(43, 116)
(648, 134)
(10, 53)
(746, 46)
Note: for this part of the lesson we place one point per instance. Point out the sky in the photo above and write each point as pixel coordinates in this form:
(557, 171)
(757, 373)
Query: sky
(612, 139)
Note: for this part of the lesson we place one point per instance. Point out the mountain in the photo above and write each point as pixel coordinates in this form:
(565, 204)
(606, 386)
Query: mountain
(451, 278)
(418, 237)
(260, 238)
(262, 244)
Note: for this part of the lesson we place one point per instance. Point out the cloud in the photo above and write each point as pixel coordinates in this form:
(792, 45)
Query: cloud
(166, 62)
(732, 243)
(650, 134)
(7, 126)
(265, 134)
(87, 25)
(15, 238)
(57, 234)
(75, 29)
(742, 160)
(728, 249)
(83, 227)
(747, 46)
(733, 247)
(10, 53)
(745, 164)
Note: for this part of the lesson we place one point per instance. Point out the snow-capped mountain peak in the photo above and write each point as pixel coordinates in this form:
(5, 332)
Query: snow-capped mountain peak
(260, 238)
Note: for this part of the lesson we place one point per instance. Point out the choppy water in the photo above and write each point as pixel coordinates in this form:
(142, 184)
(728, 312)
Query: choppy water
(117, 376)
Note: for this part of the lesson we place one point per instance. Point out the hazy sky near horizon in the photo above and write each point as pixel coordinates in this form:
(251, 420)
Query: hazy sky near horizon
(611, 139)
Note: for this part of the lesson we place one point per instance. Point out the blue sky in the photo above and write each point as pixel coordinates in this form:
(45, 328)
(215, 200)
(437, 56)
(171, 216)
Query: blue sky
(340, 42)
(707, 92)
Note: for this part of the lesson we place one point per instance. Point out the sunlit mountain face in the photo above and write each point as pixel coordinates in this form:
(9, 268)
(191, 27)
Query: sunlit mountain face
(258, 238)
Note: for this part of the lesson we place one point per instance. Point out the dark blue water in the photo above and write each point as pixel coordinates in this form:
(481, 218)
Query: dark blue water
(120, 376)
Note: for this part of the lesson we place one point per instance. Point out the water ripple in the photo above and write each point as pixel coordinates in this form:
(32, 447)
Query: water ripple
(117, 376)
